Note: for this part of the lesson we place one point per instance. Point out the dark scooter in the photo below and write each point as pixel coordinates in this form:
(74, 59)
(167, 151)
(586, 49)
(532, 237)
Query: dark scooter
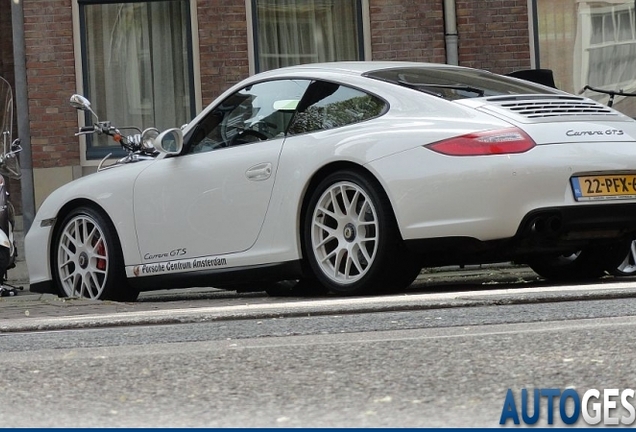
(9, 168)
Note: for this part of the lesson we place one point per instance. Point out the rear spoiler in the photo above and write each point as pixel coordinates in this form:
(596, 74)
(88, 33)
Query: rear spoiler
(539, 76)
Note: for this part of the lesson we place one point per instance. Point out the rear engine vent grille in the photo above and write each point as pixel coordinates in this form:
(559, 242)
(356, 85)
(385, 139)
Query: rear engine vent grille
(532, 108)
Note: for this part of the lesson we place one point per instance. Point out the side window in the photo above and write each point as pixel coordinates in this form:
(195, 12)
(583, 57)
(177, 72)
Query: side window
(256, 113)
(328, 105)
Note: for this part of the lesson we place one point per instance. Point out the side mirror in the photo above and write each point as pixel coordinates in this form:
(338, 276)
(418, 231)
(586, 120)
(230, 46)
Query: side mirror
(169, 142)
(15, 146)
(9, 163)
(81, 103)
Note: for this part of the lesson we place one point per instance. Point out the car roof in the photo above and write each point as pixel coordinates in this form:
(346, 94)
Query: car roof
(354, 67)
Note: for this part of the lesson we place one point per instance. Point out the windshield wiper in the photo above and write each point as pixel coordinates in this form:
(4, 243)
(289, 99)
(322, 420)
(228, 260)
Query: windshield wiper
(423, 86)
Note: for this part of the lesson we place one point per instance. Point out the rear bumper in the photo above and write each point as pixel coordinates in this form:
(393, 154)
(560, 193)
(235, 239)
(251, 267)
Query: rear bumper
(542, 231)
(573, 223)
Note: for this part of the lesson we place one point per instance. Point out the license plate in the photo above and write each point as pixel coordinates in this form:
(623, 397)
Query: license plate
(604, 187)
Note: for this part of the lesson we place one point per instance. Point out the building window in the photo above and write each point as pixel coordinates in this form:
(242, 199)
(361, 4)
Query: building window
(137, 65)
(611, 47)
(589, 43)
(290, 32)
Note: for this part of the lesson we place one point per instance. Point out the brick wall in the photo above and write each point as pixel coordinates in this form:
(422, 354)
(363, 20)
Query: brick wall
(411, 30)
(222, 45)
(400, 29)
(493, 34)
(50, 63)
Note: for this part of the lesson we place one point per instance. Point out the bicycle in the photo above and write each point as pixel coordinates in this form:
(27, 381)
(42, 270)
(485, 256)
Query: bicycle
(628, 266)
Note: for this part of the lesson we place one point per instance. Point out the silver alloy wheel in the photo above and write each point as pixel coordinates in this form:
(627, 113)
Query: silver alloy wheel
(82, 258)
(571, 257)
(628, 266)
(344, 232)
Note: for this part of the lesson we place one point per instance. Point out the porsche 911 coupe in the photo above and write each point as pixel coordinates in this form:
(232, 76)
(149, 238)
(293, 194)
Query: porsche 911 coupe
(350, 178)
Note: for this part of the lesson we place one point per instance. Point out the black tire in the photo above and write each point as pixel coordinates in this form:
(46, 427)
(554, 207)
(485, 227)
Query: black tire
(350, 237)
(87, 260)
(590, 263)
(5, 260)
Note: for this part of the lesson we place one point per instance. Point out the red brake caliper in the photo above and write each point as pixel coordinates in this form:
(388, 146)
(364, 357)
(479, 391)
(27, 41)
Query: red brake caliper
(101, 250)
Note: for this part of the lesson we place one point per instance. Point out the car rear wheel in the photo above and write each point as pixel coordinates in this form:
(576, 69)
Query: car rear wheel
(351, 240)
(628, 266)
(87, 258)
(590, 263)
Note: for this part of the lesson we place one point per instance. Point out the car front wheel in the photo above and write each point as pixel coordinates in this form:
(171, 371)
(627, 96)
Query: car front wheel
(351, 239)
(87, 258)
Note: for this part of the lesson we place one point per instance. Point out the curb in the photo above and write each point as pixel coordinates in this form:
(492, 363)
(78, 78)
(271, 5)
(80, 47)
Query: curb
(321, 307)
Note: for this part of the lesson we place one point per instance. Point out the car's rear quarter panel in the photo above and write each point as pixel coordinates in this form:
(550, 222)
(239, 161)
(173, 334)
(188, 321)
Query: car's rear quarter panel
(486, 197)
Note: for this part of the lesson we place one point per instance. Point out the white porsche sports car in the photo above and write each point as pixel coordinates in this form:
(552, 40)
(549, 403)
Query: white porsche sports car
(351, 177)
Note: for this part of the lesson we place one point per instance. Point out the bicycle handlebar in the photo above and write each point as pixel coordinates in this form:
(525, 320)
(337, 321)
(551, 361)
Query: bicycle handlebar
(130, 143)
(607, 92)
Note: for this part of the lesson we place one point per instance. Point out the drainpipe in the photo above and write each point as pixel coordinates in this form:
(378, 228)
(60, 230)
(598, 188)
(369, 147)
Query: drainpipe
(450, 32)
(22, 110)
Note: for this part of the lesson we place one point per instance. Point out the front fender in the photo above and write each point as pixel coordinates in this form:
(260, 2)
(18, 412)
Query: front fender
(110, 190)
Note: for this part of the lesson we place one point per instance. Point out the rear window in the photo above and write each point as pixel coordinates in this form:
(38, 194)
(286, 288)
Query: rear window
(327, 105)
(456, 84)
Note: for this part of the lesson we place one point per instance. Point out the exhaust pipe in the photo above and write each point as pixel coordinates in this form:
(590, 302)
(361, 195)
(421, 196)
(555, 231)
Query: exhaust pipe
(546, 225)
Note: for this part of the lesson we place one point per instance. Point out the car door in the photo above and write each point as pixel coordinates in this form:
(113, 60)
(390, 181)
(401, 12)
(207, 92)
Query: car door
(212, 199)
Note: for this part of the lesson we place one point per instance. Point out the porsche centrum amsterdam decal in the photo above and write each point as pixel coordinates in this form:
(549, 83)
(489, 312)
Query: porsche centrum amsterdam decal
(178, 266)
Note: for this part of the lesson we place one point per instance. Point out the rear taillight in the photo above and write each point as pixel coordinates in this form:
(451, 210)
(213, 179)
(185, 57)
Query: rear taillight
(494, 142)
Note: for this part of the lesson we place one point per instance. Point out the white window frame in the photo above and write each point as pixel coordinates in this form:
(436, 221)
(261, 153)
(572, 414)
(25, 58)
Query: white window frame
(79, 72)
(582, 54)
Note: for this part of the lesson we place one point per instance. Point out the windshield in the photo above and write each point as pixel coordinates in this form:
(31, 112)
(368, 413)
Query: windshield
(6, 112)
(453, 84)
(9, 164)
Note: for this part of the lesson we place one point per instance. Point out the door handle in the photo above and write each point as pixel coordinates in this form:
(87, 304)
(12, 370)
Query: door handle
(259, 172)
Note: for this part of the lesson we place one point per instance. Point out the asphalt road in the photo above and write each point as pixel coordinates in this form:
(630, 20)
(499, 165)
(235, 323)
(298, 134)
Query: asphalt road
(418, 359)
